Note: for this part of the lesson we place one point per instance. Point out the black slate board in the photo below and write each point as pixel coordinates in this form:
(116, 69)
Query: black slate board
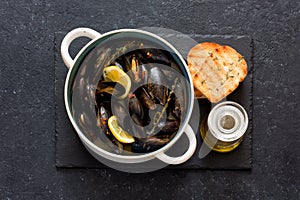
(71, 153)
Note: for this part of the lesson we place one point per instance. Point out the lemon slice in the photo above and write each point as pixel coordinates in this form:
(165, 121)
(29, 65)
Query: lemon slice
(118, 132)
(116, 74)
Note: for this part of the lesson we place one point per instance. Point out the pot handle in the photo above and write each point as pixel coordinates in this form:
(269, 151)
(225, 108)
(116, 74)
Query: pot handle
(70, 37)
(181, 159)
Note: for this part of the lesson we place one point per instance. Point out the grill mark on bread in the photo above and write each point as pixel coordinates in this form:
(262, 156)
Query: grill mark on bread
(216, 70)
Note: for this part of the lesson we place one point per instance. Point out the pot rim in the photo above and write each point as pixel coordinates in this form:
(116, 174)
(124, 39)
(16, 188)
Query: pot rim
(144, 155)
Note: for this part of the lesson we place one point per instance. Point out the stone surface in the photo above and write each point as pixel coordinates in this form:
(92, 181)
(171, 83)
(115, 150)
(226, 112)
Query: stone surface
(27, 91)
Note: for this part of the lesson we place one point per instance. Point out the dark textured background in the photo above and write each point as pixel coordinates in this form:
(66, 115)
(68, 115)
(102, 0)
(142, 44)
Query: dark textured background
(27, 164)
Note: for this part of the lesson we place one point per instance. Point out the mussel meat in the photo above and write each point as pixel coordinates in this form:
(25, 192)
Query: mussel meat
(135, 69)
(102, 120)
(144, 74)
(132, 66)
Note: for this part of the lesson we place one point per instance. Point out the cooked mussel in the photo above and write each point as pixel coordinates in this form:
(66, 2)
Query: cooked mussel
(144, 97)
(157, 85)
(149, 144)
(119, 109)
(110, 88)
(113, 143)
(144, 73)
(136, 110)
(132, 66)
(135, 69)
(174, 108)
(115, 63)
(151, 101)
(168, 127)
(107, 90)
(102, 119)
(156, 56)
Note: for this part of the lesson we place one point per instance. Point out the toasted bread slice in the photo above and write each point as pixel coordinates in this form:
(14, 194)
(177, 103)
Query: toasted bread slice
(216, 70)
(198, 94)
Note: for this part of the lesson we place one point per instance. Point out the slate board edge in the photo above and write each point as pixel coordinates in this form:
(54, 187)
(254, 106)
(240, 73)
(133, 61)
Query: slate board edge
(55, 95)
(250, 126)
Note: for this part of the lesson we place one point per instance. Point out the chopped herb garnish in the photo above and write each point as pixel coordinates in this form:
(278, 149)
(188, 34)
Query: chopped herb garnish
(240, 58)
(203, 82)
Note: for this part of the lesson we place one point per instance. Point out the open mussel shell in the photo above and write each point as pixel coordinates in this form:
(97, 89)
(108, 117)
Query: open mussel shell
(169, 127)
(157, 86)
(156, 56)
(144, 97)
(107, 90)
(149, 144)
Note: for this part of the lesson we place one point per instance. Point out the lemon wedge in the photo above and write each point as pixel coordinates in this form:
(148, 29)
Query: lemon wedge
(116, 74)
(118, 132)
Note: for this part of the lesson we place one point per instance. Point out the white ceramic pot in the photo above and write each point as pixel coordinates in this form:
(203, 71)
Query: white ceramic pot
(95, 150)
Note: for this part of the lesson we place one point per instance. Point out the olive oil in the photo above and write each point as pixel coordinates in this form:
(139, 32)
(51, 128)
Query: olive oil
(223, 129)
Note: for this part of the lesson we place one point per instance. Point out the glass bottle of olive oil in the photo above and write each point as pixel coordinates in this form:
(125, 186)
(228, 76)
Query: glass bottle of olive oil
(223, 129)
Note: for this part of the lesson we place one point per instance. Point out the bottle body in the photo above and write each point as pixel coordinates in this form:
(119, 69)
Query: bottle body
(223, 129)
